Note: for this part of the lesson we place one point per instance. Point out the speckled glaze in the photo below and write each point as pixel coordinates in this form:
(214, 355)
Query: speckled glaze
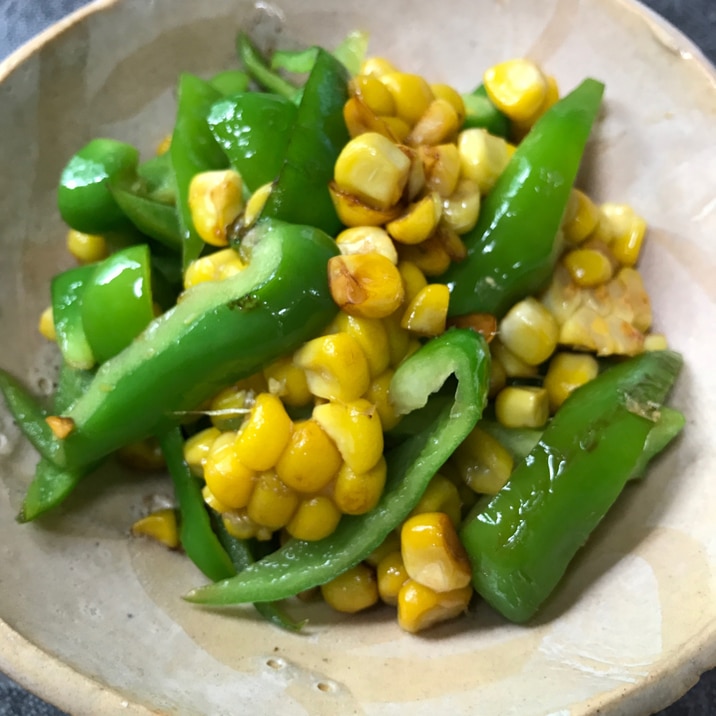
(92, 620)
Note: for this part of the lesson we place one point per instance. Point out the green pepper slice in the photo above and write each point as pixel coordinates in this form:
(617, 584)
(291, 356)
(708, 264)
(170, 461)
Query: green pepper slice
(256, 66)
(230, 82)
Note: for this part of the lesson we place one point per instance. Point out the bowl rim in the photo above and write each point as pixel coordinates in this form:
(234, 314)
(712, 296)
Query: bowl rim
(52, 679)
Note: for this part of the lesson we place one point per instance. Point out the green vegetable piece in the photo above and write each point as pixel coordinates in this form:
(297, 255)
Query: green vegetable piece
(230, 82)
(512, 250)
(301, 565)
(668, 425)
(71, 383)
(298, 62)
(83, 196)
(352, 51)
(521, 540)
(481, 113)
(519, 442)
(254, 130)
(256, 66)
(300, 195)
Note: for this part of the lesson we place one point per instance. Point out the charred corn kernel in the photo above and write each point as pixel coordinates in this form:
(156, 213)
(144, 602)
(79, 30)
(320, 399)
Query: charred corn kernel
(214, 267)
(514, 367)
(87, 248)
(411, 94)
(483, 323)
(198, 447)
(360, 119)
(272, 502)
(226, 477)
(451, 95)
(441, 495)
(432, 552)
(581, 217)
(516, 87)
(256, 203)
(588, 267)
(420, 607)
(429, 256)
(414, 280)
(264, 435)
(522, 407)
(310, 460)
(483, 462)
(355, 428)
(398, 338)
(335, 365)
(654, 342)
(211, 501)
(566, 372)
(287, 381)
(215, 201)
(483, 157)
(390, 544)
(418, 222)
(367, 240)
(450, 241)
(357, 493)
(354, 212)
(315, 518)
(530, 331)
(426, 314)
(398, 127)
(376, 67)
(238, 524)
(439, 123)
(416, 177)
(160, 526)
(372, 337)
(462, 207)
(143, 455)
(365, 285)
(352, 591)
(46, 324)
(373, 93)
(442, 168)
(229, 407)
(378, 393)
(628, 229)
(372, 168)
(498, 378)
(391, 576)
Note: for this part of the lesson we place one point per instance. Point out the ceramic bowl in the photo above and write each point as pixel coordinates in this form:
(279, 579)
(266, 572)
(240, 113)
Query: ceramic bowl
(93, 621)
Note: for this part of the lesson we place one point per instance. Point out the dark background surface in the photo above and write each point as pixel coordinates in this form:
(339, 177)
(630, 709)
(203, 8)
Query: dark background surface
(21, 19)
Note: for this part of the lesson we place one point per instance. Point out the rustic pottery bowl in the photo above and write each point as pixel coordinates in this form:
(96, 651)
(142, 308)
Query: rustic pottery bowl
(93, 621)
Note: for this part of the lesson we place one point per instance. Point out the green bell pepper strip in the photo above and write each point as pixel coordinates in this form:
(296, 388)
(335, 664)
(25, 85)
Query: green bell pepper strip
(230, 82)
(301, 195)
(218, 333)
(257, 68)
(300, 565)
(512, 250)
(157, 220)
(254, 130)
(297, 62)
(117, 301)
(521, 540)
(193, 150)
(667, 426)
(83, 196)
(156, 178)
(481, 113)
(519, 442)
(350, 53)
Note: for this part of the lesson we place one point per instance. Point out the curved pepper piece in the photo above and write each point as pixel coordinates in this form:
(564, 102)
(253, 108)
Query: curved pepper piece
(301, 565)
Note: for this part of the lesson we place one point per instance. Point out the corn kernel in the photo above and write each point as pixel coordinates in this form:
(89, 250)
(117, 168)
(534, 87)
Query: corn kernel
(588, 267)
(483, 157)
(354, 212)
(498, 378)
(628, 229)
(426, 315)
(398, 338)
(46, 324)
(521, 128)
(287, 381)
(437, 125)
(263, 437)
(391, 576)
(215, 201)
(418, 222)
(390, 544)
(516, 87)
(230, 406)
(213, 267)
(227, 479)
(566, 372)
(514, 367)
(411, 94)
(655, 342)
(198, 447)
(367, 240)
(211, 501)
(352, 591)
(272, 502)
(373, 93)
(256, 203)
(483, 323)
(160, 526)
(376, 67)
(420, 607)
(462, 208)
(371, 335)
(315, 518)
(430, 256)
(164, 145)
(238, 524)
(451, 95)
(378, 393)
(483, 462)
(522, 407)
(450, 241)
(87, 248)
(416, 177)
(581, 217)
(442, 168)
(414, 280)
(360, 119)
(529, 331)
(398, 127)
(440, 495)
(357, 493)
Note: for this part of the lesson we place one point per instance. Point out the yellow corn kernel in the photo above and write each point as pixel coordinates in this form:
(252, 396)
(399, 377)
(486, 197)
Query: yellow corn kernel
(355, 428)
(143, 455)
(483, 157)
(211, 501)
(87, 248)
(429, 256)
(197, 448)
(230, 406)
(372, 168)
(566, 372)
(521, 128)
(529, 331)
(628, 229)
(522, 407)
(164, 145)
(390, 544)
(654, 342)
(365, 285)
(414, 280)
(360, 119)
(483, 462)
(264, 435)
(468, 497)
(516, 87)
(398, 338)
(354, 212)
(462, 207)
(441, 495)
(416, 178)
(371, 335)
(450, 241)
(588, 267)
(46, 324)
(310, 460)
(287, 381)
(376, 67)
(391, 576)
(367, 240)
(160, 526)
(227, 479)
(514, 367)
(373, 93)
(420, 607)
(272, 502)
(438, 124)
(426, 315)
(315, 518)
(498, 378)
(581, 217)
(357, 493)
(432, 552)
(418, 222)
(238, 524)
(214, 267)
(441, 165)
(451, 95)
(215, 201)
(411, 94)
(398, 127)
(256, 203)
(378, 393)
(352, 591)
(335, 365)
